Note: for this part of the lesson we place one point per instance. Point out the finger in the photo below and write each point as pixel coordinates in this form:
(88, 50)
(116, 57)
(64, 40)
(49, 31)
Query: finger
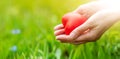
(59, 32)
(60, 26)
(63, 38)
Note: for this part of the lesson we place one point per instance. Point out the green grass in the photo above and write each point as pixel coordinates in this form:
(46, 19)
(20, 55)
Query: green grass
(33, 22)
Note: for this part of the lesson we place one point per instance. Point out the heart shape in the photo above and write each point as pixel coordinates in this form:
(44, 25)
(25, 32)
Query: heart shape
(71, 21)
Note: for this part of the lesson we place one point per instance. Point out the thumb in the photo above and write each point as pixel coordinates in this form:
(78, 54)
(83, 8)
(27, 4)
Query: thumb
(85, 27)
(88, 25)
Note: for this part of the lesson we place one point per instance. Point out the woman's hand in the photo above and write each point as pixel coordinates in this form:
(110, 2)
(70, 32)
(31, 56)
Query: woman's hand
(101, 16)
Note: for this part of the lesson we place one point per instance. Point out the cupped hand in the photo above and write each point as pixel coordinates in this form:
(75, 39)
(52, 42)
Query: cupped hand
(101, 16)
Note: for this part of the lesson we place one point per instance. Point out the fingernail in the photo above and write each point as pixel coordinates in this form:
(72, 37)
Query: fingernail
(57, 37)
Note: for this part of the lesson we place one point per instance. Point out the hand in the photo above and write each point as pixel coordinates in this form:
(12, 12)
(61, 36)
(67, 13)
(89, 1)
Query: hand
(101, 16)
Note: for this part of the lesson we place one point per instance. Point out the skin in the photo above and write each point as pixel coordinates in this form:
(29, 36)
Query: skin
(101, 16)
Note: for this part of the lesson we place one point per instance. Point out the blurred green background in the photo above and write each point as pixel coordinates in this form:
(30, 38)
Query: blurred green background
(26, 32)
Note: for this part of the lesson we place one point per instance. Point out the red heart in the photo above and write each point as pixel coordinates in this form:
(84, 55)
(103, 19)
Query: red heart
(71, 21)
